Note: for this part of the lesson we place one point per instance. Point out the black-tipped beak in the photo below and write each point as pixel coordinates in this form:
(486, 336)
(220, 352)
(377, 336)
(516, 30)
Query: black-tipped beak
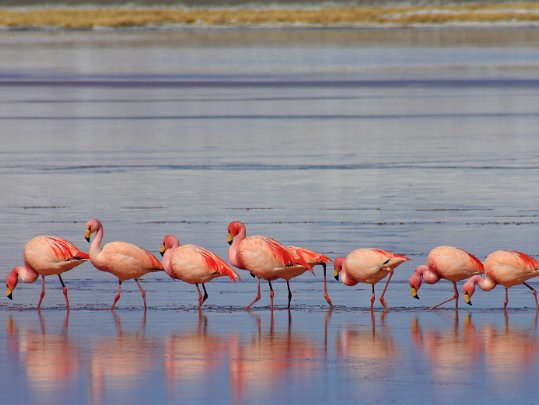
(467, 299)
(87, 238)
(230, 242)
(87, 235)
(413, 293)
(9, 294)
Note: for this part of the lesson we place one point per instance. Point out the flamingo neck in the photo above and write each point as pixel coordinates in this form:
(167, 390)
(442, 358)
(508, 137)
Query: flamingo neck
(427, 275)
(95, 246)
(234, 251)
(486, 284)
(26, 273)
(166, 261)
(346, 278)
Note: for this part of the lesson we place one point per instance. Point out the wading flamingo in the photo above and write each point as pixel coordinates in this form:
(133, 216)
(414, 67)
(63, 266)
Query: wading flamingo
(122, 259)
(449, 263)
(368, 266)
(193, 264)
(312, 259)
(263, 257)
(45, 256)
(505, 267)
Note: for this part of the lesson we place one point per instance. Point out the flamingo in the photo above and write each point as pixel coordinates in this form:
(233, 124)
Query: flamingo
(312, 259)
(193, 264)
(45, 255)
(449, 263)
(122, 259)
(505, 267)
(368, 266)
(263, 257)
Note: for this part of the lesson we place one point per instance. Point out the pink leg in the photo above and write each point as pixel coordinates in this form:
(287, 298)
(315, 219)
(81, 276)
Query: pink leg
(271, 294)
(200, 301)
(454, 297)
(326, 295)
(373, 298)
(117, 294)
(42, 293)
(506, 301)
(256, 298)
(65, 291)
(382, 300)
(534, 295)
(142, 292)
(289, 293)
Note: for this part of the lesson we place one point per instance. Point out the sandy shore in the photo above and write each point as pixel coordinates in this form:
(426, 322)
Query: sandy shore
(324, 16)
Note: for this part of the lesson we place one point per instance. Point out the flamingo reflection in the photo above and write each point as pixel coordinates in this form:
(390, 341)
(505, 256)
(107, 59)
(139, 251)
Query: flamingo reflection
(121, 362)
(192, 357)
(270, 360)
(51, 361)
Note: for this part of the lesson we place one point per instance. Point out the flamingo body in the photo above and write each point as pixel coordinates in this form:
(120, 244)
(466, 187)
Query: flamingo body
(368, 266)
(449, 263)
(507, 268)
(43, 256)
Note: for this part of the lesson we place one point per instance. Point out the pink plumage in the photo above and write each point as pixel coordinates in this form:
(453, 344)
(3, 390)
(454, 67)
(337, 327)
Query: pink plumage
(45, 255)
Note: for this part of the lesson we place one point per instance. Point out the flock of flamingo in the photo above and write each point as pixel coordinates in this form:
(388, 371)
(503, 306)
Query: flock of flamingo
(267, 259)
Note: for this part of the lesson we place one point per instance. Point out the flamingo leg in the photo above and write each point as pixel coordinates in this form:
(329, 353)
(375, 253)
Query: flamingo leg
(454, 297)
(373, 298)
(200, 299)
(534, 295)
(205, 293)
(382, 300)
(117, 297)
(256, 298)
(65, 290)
(289, 293)
(326, 295)
(42, 292)
(506, 301)
(142, 292)
(271, 294)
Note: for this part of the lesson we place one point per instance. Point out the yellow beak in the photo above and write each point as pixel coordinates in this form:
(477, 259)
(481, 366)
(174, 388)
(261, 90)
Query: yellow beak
(336, 274)
(229, 238)
(162, 249)
(9, 293)
(413, 293)
(467, 299)
(87, 235)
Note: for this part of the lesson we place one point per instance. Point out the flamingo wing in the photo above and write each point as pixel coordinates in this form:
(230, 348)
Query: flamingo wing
(476, 262)
(530, 261)
(215, 264)
(393, 259)
(64, 250)
(284, 255)
(309, 256)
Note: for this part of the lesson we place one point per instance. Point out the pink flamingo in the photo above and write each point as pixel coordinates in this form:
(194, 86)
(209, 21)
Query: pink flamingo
(368, 266)
(505, 267)
(45, 255)
(122, 259)
(449, 263)
(312, 259)
(263, 257)
(193, 264)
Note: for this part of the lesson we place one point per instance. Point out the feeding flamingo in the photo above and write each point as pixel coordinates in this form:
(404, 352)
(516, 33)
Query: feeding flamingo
(263, 257)
(45, 255)
(312, 259)
(449, 263)
(193, 264)
(505, 267)
(122, 259)
(368, 266)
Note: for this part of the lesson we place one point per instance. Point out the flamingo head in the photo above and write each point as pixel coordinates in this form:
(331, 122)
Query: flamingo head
(169, 242)
(469, 289)
(11, 283)
(415, 281)
(337, 267)
(93, 225)
(234, 228)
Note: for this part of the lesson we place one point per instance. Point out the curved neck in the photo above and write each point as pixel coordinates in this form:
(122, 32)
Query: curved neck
(26, 273)
(486, 284)
(233, 250)
(427, 275)
(166, 260)
(95, 246)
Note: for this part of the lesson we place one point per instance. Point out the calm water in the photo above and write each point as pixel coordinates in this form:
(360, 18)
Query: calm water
(331, 140)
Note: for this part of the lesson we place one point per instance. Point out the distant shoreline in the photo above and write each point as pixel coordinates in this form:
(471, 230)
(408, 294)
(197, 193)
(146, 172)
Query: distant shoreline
(278, 16)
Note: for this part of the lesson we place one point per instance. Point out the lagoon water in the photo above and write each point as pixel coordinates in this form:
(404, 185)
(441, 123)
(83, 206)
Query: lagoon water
(328, 139)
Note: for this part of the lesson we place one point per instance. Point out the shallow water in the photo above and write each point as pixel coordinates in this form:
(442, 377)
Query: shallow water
(331, 140)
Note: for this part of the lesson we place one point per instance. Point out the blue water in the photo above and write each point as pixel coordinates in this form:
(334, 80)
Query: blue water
(332, 140)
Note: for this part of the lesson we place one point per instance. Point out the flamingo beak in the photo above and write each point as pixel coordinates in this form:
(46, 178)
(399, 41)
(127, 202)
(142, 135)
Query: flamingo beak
(9, 293)
(162, 249)
(336, 274)
(229, 239)
(413, 292)
(467, 299)
(87, 235)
